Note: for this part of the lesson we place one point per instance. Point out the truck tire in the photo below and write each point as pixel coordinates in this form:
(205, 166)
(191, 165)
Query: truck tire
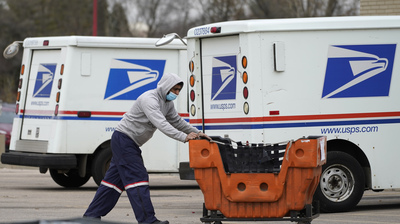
(70, 179)
(342, 183)
(101, 163)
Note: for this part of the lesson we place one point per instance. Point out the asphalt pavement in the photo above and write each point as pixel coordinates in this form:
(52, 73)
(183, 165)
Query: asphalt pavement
(28, 196)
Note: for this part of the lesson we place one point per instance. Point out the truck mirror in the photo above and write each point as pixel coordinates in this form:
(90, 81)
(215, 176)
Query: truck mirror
(11, 50)
(166, 39)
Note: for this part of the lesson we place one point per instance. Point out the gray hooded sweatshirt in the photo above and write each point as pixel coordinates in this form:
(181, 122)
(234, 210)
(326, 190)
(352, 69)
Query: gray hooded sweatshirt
(152, 111)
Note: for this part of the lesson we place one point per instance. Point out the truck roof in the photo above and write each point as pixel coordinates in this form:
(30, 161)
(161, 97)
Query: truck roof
(95, 41)
(296, 24)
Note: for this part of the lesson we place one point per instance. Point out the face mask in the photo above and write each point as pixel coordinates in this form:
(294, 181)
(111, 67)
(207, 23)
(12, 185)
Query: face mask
(171, 96)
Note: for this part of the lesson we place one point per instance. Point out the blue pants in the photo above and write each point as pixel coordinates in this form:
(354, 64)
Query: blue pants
(126, 172)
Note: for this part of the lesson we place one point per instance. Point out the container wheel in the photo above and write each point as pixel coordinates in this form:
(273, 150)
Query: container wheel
(70, 179)
(342, 183)
(101, 163)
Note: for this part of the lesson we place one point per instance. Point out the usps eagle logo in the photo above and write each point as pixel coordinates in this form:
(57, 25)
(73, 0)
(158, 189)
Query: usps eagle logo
(358, 71)
(44, 80)
(223, 85)
(129, 78)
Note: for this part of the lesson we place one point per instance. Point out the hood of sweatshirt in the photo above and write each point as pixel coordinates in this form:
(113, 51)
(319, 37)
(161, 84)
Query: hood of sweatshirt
(168, 81)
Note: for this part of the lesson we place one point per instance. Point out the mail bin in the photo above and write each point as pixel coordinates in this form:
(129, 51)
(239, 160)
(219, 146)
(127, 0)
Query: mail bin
(257, 181)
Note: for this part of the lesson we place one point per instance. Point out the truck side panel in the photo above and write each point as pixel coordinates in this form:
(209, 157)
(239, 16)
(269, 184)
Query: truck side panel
(305, 97)
(76, 110)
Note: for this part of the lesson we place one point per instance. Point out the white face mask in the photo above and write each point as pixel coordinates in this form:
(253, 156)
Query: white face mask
(171, 96)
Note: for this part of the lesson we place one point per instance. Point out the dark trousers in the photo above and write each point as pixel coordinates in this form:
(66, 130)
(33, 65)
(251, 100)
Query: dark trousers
(126, 172)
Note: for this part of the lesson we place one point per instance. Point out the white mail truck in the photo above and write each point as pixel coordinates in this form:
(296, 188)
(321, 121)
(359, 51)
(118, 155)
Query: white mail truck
(263, 81)
(72, 92)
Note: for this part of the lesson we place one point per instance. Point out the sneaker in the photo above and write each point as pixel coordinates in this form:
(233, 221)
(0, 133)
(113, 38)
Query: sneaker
(157, 222)
(88, 217)
(160, 222)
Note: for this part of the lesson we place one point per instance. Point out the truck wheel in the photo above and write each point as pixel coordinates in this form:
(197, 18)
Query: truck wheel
(100, 164)
(70, 179)
(342, 183)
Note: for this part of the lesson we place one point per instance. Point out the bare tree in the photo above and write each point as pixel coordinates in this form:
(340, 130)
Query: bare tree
(153, 18)
(143, 15)
(221, 10)
(117, 22)
(150, 14)
(303, 8)
(29, 18)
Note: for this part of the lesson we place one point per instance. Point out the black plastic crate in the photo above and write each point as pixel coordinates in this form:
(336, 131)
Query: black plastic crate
(252, 158)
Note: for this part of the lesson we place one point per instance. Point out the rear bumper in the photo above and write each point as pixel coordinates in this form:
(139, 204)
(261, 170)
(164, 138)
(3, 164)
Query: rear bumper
(51, 161)
(185, 172)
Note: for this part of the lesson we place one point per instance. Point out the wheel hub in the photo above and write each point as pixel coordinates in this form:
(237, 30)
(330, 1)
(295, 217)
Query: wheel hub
(336, 183)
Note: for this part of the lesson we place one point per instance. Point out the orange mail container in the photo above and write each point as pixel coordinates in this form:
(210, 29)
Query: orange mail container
(258, 180)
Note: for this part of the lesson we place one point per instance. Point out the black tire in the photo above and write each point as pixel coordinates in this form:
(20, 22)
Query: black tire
(70, 179)
(100, 164)
(342, 183)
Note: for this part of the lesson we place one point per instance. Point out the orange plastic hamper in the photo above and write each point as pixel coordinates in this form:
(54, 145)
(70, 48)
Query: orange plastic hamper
(252, 182)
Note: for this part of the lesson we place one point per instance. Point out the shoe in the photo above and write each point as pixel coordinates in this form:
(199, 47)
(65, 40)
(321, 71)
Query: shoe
(88, 217)
(160, 222)
(156, 222)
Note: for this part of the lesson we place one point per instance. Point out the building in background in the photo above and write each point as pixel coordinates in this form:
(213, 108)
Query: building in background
(379, 7)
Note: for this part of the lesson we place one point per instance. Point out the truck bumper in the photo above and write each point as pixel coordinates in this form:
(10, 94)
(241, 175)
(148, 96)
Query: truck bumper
(185, 172)
(51, 161)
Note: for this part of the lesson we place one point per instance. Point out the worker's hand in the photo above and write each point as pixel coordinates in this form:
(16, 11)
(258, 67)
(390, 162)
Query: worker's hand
(191, 136)
(202, 135)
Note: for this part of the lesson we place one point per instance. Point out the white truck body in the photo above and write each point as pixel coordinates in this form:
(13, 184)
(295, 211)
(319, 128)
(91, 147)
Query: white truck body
(75, 89)
(336, 76)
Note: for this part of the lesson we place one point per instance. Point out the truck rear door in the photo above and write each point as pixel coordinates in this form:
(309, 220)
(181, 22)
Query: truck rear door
(40, 105)
(221, 83)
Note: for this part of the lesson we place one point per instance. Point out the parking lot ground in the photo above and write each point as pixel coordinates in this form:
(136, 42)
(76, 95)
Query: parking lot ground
(26, 196)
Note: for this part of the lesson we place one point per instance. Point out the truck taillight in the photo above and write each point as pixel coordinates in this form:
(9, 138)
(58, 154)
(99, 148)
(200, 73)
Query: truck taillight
(245, 77)
(244, 62)
(246, 108)
(20, 84)
(59, 83)
(191, 66)
(193, 110)
(274, 112)
(45, 43)
(18, 96)
(191, 80)
(215, 29)
(22, 69)
(84, 114)
(192, 92)
(58, 97)
(192, 95)
(16, 108)
(245, 92)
